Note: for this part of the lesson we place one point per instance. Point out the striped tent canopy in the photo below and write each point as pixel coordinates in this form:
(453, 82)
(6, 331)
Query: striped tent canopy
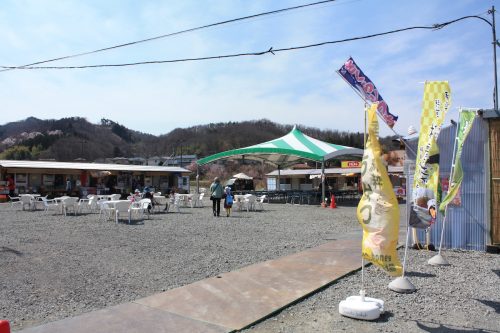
(287, 150)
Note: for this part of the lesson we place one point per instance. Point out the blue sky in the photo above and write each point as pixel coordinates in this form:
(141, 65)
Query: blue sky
(297, 87)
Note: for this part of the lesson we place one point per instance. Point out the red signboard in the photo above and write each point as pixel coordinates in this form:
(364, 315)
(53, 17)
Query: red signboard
(351, 164)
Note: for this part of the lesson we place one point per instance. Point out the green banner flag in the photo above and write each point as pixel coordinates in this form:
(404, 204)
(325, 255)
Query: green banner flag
(466, 120)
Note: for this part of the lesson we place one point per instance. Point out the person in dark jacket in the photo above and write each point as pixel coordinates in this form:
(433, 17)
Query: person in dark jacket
(149, 195)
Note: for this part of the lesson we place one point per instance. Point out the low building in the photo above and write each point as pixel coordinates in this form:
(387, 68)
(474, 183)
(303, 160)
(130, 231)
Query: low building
(92, 178)
(180, 160)
(336, 179)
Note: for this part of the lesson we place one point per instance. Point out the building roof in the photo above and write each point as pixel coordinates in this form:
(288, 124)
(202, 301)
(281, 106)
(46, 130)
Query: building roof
(88, 166)
(491, 113)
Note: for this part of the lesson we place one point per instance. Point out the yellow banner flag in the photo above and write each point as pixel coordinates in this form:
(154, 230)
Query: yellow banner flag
(378, 211)
(435, 105)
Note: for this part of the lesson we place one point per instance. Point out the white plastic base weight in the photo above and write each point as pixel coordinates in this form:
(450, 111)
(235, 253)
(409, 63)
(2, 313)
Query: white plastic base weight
(361, 307)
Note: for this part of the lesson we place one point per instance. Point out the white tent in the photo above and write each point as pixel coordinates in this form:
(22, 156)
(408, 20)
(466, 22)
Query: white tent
(242, 176)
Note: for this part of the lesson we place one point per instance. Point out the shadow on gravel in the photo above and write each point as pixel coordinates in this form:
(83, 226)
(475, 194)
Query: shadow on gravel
(443, 329)
(492, 304)
(9, 250)
(420, 274)
(237, 217)
(496, 271)
(384, 317)
(182, 212)
(134, 224)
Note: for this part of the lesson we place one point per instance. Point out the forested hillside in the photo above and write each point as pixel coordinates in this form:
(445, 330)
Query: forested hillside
(73, 138)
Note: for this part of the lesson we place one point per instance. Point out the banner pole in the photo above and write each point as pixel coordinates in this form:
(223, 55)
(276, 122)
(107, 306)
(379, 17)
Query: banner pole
(407, 230)
(362, 273)
(402, 284)
(364, 134)
(438, 259)
(452, 171)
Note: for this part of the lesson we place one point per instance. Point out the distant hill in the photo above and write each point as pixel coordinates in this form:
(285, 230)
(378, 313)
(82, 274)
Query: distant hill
(67, 139)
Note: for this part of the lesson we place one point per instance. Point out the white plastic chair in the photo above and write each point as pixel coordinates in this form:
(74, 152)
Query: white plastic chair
(14, 201)
(238, 202)
(27, 201)
(70, 203)
(191, 200)
(105, 210)
(122, 207)
(135, 210)
(175, 202)
(49, 204)
(249, 202)
(116, 196)
(146, 204)
(199, 200)
(160, 203)
(89, 204)
(39, 201)
(259, 202)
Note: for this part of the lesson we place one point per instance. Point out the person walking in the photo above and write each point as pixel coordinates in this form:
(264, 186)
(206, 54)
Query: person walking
(11, 185)
(149, 195)
(228, 200)
(216, 192)
(69, 186)
(171, 199)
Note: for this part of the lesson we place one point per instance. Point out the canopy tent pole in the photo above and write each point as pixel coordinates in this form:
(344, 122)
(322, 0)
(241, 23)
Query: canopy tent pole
(278, 186)
(323, 181)
(197, 179)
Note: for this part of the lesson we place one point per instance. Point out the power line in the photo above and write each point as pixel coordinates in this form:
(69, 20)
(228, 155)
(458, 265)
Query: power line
(269, 51)
(171, 34)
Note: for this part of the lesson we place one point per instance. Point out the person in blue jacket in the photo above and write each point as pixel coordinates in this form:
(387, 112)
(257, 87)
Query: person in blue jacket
(228, 200)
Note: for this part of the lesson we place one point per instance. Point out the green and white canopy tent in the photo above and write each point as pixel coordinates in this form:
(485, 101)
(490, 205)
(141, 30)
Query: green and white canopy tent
(288, 150)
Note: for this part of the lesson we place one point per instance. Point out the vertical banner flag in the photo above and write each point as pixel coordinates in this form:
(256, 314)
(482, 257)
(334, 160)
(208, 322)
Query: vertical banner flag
(359, 81)
(436, 102)
(378, 211)
(466, 120)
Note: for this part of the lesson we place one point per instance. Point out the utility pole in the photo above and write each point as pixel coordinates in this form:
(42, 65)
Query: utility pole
(495, 44)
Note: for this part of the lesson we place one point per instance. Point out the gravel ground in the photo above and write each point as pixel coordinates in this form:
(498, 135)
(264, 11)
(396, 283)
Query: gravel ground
(55, 267)
(463, 297)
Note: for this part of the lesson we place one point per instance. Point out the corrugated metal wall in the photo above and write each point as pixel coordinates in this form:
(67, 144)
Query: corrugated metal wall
(466, 225)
